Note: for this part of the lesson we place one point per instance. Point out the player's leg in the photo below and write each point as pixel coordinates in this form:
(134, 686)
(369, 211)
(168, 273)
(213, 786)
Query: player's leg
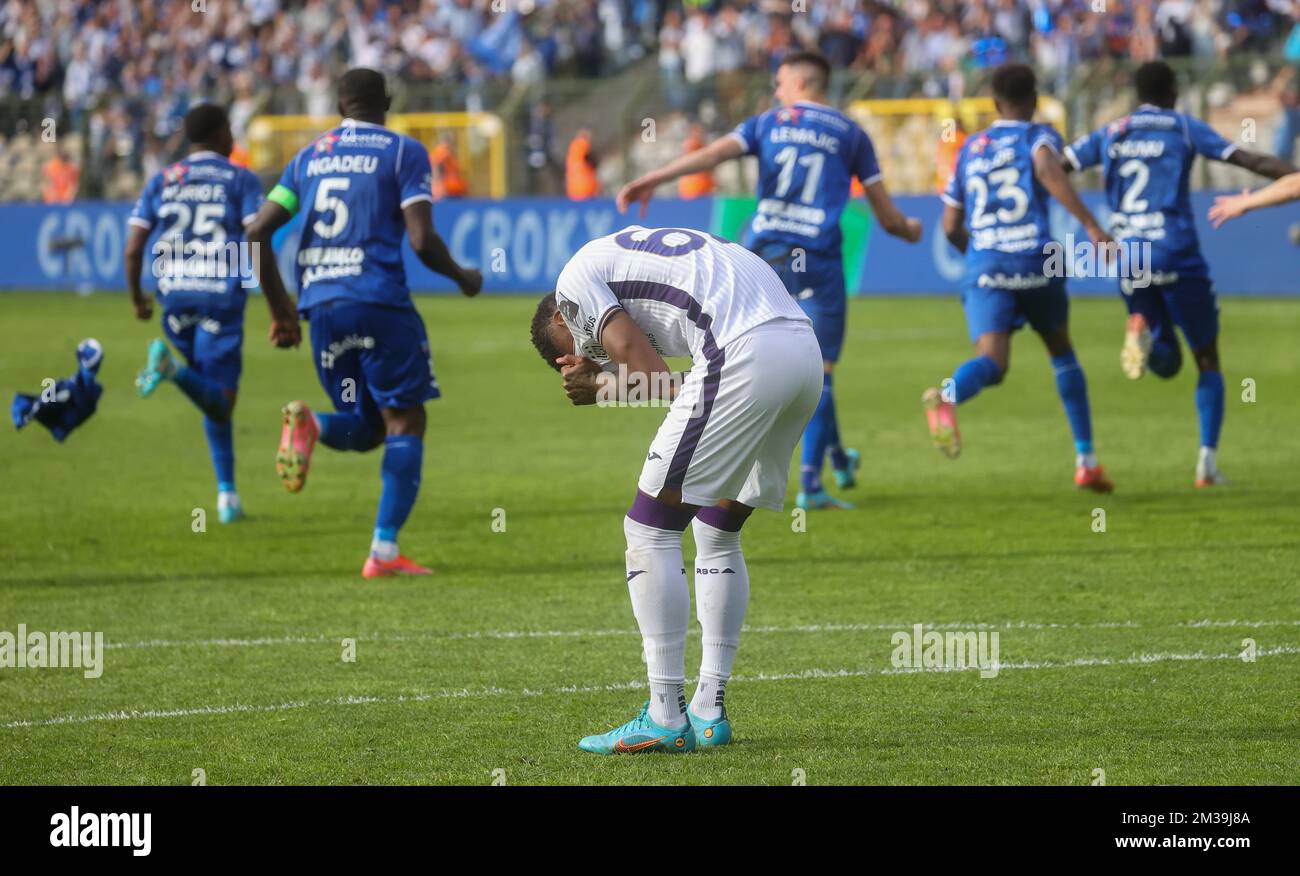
(1048, 312)
(214, 369)
(399, 377)
(821, 295)
(990, 317)
(1196, 310)
(1150, 340)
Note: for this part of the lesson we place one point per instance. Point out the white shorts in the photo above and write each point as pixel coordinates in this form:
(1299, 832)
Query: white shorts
(731, 432)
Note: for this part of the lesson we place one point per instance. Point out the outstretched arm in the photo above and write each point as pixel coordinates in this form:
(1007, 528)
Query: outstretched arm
(1264, 165)
(432, 250)
(889, 216)
(285, 331)
(1231, 206)
(642, 188)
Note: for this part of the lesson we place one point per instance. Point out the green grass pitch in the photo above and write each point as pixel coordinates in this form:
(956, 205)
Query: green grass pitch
(1119, 647)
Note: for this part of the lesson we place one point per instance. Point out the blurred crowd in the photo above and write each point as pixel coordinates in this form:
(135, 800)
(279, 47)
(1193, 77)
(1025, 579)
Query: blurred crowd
(124, 72)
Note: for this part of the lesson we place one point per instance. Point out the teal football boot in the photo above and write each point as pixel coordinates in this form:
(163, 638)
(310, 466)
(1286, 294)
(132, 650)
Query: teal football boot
(710, 732)
(846, 477)
(157, 368)
(820, 499)
(639, 735)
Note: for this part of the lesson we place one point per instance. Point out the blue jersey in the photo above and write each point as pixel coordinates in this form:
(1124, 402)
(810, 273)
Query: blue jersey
(352, 184)
(808, 155)
(1146, 159)
(202, 204)
(1006, 207)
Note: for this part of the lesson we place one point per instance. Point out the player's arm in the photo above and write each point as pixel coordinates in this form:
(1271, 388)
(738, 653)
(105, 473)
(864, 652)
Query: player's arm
(1231, 206)
(626, 345)
(432, 250)
(640, 190)
(889, 216)
(954, 226)
(133, 258)
(1264, 165)
(285, 331)
(1048, 170)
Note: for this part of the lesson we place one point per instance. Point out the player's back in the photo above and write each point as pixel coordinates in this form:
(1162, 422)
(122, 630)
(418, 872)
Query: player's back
(1146, 159)
(808, 155)
(690, 292)
(352, 184)
(1007, 209)
(200, 206)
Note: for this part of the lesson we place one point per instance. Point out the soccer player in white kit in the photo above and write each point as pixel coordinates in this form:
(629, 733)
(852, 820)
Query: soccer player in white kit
(621, 305)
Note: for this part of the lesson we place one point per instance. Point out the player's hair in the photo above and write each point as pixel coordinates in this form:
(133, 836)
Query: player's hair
(205, 123)
(815, 63)
(1156, 83)
(1014, 85)
(541, 331)
(362, 91)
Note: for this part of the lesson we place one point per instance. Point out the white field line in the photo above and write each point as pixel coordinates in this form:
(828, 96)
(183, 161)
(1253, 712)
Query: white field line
(299, 639)
(484, 692)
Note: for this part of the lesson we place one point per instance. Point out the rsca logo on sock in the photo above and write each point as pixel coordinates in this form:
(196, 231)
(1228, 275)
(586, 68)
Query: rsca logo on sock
(920, 650)
(76, 829)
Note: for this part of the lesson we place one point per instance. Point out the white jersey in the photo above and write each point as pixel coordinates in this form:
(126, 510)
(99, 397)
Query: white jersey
(690, 292)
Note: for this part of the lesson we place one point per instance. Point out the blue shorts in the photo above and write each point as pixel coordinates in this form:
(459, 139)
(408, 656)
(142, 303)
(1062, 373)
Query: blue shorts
(990, 309)
(210, 340)
(1190, 305)
(371, 356)
(819, 290)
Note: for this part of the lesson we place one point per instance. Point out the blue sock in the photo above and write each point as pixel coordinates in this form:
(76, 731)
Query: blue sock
(400, 472)
(221, 444)
(816, 439)
(345, 432)
(208, 395)
(1209, 404)
(1073, 389)
(838, 458)
(972, 376)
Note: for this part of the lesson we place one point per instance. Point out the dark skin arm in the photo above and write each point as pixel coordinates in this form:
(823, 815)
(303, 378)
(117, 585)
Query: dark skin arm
(626, 345)
(1048, 170)
(954, 227)
(1264, 165)
(432, 250)
(285, 331)
(133, 258)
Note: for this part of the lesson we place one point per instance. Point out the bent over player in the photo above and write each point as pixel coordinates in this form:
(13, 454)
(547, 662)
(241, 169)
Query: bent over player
(361, 186)
(621, 305)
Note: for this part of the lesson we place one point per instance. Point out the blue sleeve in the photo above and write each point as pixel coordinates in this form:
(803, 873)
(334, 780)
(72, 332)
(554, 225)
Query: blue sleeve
(143, 214)
(1046, 135)
(250, 198)
(285, 193)
(414, 173)
(747, 133)
(865, 166)
(952, 192)
(1086, 151)
(1207, 141)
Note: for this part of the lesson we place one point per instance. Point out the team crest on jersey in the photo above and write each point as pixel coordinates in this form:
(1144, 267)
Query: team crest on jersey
(325, 142)
(789, 115)
(175, 174)
(979, 144)
(1117, 127)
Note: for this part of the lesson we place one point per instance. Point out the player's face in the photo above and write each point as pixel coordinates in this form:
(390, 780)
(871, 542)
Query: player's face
(561, 336)
(788, 86)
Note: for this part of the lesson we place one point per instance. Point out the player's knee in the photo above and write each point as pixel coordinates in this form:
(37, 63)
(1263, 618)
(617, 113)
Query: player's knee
(652, 522)
(717, 529)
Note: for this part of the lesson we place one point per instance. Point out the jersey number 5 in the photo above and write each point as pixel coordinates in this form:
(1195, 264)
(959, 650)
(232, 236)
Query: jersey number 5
(328, 202)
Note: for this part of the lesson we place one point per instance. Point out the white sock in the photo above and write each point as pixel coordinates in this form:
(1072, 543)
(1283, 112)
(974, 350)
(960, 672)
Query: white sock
(721, 597)
(661, 601)
(1086, 460)
(384, 550)
(1207, 462)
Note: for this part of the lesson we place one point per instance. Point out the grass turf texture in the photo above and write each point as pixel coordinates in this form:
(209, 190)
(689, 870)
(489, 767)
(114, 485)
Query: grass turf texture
(234, 635)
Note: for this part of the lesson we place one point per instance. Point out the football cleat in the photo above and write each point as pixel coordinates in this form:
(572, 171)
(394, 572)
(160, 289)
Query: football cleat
(1206, 477)
(1093, 479)
(710, 731)
(941, 415)
(158, 367)
(639, 736)
(230, 512)
(1137, 347)
(819, 499)
(845, 477)
(297, 440)
(377, 568)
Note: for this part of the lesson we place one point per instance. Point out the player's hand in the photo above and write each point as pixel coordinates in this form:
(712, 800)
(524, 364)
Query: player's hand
(1228, 207)
(579, 375)
(285, 332)
(914, 230)
(638, 191)
(472, 282)
(143, 309)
